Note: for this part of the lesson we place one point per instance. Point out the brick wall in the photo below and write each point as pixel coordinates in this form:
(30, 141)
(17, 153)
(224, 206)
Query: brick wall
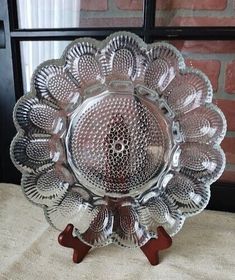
(168, 12)
(186, 12)
(215, 58)
(195, 12)
(110, 13)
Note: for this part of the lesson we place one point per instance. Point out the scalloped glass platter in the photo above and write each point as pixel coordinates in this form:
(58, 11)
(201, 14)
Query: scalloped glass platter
(118, 137)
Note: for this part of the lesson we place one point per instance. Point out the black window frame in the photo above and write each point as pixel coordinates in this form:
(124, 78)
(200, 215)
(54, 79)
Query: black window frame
(222, 193)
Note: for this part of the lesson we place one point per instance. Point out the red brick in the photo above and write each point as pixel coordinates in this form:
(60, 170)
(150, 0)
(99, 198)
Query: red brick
(210, 67)
(191, 4)
(196, 21)
(228, 146)
(228, 108)
(174, 4)
(111, 22)
(230, 78)
(91, 5)
(205, 46)
(129, 4)
(228, 176)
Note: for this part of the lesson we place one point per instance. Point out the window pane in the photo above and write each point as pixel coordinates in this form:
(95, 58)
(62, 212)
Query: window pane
(217, 60)
(195, 13)
(78, 13)
(35, 52)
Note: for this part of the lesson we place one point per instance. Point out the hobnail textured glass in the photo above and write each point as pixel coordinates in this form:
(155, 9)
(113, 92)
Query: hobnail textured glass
(118, 137)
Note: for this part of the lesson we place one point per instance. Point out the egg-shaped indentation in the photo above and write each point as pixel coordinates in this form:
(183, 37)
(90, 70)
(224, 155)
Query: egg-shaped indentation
(130, 232)
(34, 116)
(163, 212)
(189, 90)
(101, 226)
(202, 161)
(162, 63)
(182, 97)
(71, 209)
(204, 125)
(52, 83)
(100, 218)
(21, 113)
(128, 220)
(47, 186)
(181, 188)
(189, 195)
(31, 153)
(122, 57)
(47, 118)
(159, 210)
(83, 62)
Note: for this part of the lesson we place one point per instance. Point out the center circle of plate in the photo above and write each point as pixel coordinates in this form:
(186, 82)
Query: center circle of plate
(116, 144)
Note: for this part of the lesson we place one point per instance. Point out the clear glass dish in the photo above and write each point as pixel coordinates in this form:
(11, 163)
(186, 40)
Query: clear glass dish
(118, 137)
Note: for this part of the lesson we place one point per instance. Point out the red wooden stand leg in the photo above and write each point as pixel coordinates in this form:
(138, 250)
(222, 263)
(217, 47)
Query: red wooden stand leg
(151, 248)
(66, 239)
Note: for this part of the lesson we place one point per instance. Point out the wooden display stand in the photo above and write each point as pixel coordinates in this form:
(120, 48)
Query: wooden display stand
(80, 249)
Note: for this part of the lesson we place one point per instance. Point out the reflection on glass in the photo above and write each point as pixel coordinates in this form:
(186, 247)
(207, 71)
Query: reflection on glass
(34, 53)
(78, 13)
(48, 13)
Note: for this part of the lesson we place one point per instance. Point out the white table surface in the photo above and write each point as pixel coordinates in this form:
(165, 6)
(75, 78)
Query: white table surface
(203, 249)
